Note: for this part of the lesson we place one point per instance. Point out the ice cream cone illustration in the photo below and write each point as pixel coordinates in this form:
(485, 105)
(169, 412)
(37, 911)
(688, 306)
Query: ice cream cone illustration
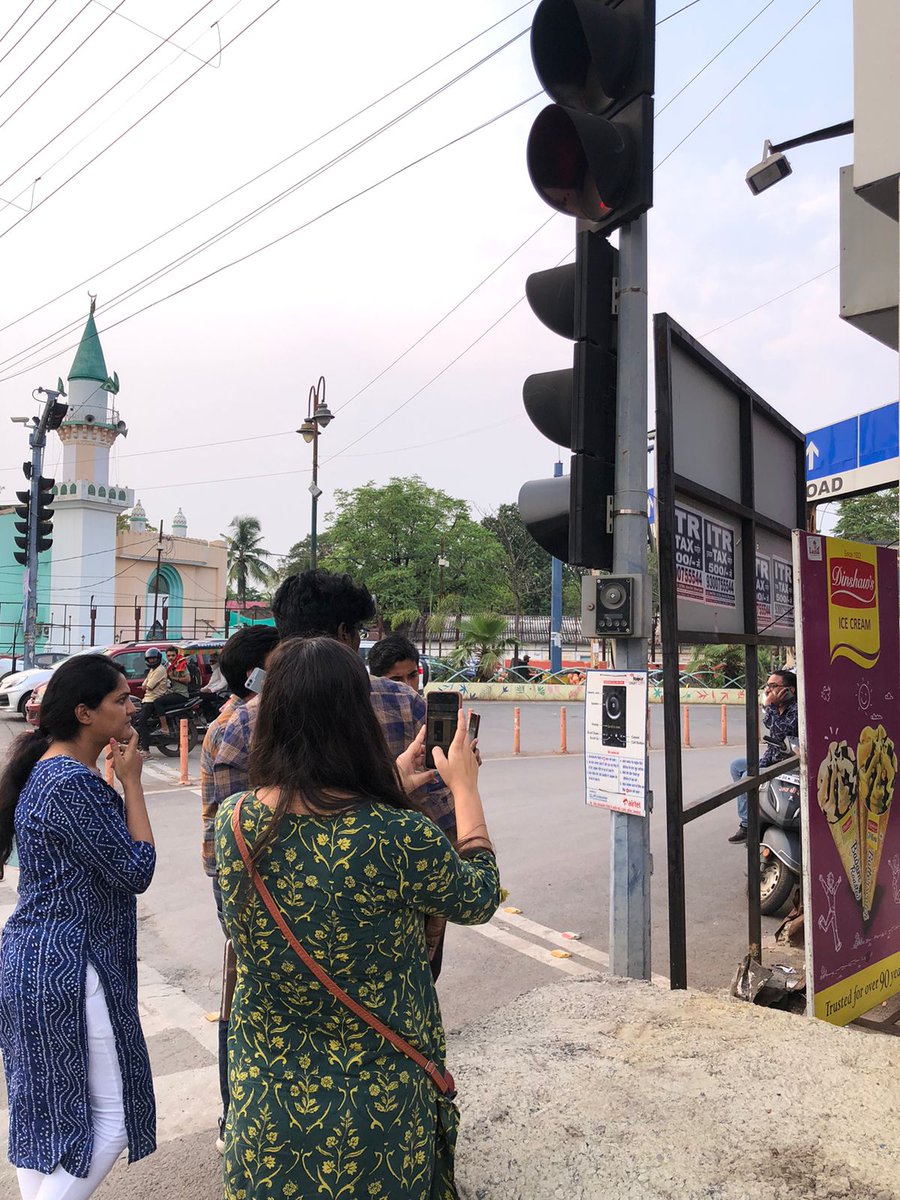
(838, 800)
(877, 766)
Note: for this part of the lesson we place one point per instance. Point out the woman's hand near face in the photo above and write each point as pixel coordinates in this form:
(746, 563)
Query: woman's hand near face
(126, 759)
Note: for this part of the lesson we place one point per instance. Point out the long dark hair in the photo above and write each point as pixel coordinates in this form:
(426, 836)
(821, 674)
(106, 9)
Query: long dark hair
(85, 679)
(317, 735)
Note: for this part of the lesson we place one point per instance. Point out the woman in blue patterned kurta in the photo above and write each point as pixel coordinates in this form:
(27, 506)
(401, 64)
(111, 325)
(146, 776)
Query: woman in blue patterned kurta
(322, 1105)
(77, 1070)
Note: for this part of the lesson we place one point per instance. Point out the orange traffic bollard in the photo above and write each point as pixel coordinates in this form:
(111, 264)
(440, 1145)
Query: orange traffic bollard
(686, 738)
(516, 731)
(563, 731)
(724, 725)
(183, 747)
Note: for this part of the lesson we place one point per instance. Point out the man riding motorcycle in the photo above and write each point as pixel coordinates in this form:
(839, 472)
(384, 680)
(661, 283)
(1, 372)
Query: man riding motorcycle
(156, 684)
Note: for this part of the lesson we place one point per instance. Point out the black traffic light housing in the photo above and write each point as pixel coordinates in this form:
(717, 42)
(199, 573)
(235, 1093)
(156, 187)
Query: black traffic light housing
(44, 513)
(576, 407)
(43, 516)
(591, 153)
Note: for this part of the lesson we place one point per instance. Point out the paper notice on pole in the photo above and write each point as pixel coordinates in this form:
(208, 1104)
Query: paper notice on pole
(615, 741)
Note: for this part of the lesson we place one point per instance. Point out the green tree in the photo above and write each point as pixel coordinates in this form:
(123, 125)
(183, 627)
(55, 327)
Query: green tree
(392, 537)
(246, 557)
(526, 566)
(482, 638)
(871, 518)
(297, 558)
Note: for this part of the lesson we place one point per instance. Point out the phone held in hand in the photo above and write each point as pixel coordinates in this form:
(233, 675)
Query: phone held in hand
(440, 723)
(255, 680)
(473, 726)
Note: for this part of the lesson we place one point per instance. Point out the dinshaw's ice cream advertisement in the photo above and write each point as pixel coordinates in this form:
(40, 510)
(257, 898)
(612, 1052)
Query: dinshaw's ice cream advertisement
(849, 661)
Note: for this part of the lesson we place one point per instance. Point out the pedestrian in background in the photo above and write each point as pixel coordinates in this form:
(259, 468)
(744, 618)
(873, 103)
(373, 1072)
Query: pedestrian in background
(328, 870)
(395, 657)
(245, 651)
(77, 1070)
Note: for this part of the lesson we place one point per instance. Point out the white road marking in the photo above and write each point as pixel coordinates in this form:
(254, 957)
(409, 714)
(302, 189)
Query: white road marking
(504, 938)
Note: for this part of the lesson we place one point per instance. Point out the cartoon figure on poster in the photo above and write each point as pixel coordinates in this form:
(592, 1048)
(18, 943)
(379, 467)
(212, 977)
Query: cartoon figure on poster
(850, 655)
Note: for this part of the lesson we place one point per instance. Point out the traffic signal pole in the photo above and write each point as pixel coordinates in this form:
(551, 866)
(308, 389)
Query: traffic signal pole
(37, 440)
(630, 867)
(556, 601)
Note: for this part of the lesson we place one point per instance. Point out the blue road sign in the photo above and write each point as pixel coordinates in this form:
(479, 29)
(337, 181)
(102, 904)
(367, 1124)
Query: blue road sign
(832, 449)
(878, 434)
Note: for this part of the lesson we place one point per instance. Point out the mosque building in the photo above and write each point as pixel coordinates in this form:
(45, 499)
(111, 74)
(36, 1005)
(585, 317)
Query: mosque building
(109, 577)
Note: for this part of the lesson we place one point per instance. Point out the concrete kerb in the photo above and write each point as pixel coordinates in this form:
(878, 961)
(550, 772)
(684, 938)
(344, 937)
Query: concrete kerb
(562, 693)
(614, 1089)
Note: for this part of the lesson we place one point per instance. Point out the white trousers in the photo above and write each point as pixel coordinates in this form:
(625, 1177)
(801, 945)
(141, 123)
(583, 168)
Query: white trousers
(107, 1109)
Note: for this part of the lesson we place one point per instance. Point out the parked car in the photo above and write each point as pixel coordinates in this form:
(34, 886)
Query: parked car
(130, 655)
(16, 688)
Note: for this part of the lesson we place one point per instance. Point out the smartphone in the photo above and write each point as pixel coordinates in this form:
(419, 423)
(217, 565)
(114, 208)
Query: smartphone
(474, 725)
(255, 680)
(440, 723)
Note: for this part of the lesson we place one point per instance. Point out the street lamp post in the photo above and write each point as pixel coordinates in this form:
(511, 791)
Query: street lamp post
(318, 416)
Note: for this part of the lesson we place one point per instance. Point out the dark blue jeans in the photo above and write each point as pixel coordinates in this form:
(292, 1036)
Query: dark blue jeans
(223, 1025)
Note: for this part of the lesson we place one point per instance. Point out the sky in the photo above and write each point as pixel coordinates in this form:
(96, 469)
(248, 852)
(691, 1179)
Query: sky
(215, 378)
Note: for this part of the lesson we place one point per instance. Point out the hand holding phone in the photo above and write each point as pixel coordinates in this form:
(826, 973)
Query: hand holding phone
(458, 768)
(473, 726)
(443, 709)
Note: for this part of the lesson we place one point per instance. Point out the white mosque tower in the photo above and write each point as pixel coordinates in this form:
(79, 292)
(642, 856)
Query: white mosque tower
(83, 563)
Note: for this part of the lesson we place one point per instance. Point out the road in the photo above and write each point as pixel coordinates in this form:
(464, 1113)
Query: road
(554, 854)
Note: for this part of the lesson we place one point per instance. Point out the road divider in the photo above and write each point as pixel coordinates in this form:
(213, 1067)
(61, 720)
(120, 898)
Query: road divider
(574, 693)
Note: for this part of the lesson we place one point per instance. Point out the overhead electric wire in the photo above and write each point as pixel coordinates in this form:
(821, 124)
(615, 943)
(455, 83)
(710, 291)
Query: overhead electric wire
(59, 66)
(766, 303)
(153, 33)
(36, 21)
(734, 88)
(137, 122)
(289, 233)
(132, 290)
(103, 95)
(247, 183)
(718, 54)
(10, 28)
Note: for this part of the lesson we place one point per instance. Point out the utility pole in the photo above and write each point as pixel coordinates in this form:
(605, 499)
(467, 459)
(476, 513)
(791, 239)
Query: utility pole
(556, 601)
(442, 562)
(159, 550)
(37, 537)
(630, 866)
(318, 417)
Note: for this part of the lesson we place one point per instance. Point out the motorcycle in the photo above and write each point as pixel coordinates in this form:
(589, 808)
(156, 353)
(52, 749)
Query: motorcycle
(779, 836)
(169, 742)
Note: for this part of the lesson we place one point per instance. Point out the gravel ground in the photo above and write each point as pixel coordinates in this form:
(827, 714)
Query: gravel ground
(617, 1090)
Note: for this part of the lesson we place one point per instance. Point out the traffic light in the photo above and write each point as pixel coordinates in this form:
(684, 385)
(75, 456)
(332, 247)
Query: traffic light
(576, 407)
(43, 516)
(591, 153)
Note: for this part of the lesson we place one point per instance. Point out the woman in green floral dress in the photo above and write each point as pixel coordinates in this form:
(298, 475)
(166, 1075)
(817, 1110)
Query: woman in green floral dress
(321, 1104)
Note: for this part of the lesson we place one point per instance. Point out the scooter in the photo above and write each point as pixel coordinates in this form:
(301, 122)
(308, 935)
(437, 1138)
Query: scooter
(779, 836)
(169, 742)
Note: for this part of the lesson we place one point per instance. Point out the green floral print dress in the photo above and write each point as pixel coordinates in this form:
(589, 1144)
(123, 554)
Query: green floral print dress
(321, 1105)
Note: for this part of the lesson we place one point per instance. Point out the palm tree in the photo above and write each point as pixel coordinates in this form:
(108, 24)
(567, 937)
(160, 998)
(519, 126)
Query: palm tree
(246, 557)
(482, 638)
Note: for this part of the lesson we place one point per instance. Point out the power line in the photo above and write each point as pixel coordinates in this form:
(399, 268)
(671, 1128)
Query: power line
(159, 36)
(677, 12)
(42, 342)
(718, 54)
(733, 89)
(766, 303)
(58, 67)
(135, 124)
(290, 233)
(103, 95)
(36, 21)
(10, 28)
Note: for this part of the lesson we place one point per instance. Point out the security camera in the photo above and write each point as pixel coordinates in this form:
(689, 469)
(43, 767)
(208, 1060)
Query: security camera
(772, 169)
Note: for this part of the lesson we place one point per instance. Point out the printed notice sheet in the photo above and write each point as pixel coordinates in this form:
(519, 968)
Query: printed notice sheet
(615, 741)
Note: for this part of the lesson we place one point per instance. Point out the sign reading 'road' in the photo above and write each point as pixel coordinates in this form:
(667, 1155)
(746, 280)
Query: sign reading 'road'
(858, 454)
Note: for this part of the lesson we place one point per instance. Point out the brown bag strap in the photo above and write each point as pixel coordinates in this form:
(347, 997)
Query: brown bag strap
(443, 1081)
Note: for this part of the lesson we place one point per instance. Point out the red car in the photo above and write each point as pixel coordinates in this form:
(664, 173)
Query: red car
(131, 656)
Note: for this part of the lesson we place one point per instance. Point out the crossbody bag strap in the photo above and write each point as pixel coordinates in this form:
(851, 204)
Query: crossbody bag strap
(442, 1080)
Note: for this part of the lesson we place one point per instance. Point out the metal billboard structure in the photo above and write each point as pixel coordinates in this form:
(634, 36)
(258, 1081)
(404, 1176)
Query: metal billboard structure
(730, 490)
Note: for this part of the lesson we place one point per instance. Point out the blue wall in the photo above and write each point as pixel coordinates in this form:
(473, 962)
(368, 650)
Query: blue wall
(11, 575)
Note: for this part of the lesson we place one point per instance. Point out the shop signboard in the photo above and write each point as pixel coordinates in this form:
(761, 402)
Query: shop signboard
(849, 679)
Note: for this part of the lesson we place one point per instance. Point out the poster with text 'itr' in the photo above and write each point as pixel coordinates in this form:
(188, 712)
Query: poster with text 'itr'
(615, 741)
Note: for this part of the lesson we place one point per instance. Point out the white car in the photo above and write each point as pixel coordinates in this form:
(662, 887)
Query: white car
(16, 688)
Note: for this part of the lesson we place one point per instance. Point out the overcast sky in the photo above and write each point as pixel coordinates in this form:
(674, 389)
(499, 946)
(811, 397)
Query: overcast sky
(231, 360)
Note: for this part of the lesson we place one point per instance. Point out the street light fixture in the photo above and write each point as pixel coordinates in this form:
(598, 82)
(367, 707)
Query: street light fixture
(318, 417)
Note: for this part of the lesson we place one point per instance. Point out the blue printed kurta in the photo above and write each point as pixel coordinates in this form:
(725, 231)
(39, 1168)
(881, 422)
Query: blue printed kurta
(80, 871)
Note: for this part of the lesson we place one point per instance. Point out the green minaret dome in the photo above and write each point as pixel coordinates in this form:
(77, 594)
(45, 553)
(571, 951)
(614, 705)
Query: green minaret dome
(89, 362)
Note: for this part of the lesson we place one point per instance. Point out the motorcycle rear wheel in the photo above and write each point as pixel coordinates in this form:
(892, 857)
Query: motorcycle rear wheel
(171, 746)
(776, 885)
